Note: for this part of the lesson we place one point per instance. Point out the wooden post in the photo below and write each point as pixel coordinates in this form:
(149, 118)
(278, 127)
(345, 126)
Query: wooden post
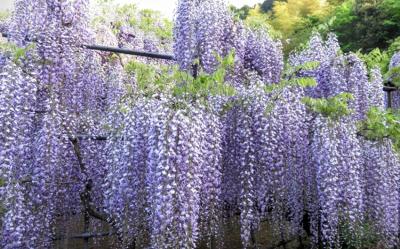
(389, 99)
(86, 227)
(253, 239)
(195, 70)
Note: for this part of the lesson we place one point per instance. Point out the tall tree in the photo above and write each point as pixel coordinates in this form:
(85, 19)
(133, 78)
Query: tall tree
(267, 5)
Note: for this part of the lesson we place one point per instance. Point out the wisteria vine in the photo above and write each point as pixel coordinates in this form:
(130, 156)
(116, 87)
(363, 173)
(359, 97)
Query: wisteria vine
(173, 166)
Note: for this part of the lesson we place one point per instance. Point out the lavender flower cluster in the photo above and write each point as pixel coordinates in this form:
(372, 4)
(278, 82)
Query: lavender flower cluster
(53, 91)
(164, 176)
(205, 30)
(395, 63)
(338, 73)
(348, 184)
(175, 168)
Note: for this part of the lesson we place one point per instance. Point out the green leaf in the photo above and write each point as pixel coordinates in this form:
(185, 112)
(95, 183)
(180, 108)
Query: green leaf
(305, 82)
(380, 125)
(311, 65)
(333, 107)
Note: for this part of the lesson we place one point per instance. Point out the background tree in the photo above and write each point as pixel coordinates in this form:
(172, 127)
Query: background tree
(359, 25)
(242, 12)
(375, 24)
(267, 5)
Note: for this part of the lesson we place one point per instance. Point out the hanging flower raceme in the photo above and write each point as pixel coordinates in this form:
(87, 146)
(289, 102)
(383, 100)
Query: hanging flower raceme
(4, 26)
(17, 96)
(127, 195)
(381, 189)
(264, 154)
(339, 73)
(338, 178)
(27, 22)
(394, 64)
(246, 156)
(211, 181)
(325, 152)
(184, 34)
(54, 81)
(324, 53)
(264, 56)
(55, 174)
(211, 14)
(283, 145)
(376, 96)
(358, 86)
(205, 30)
(164, 174)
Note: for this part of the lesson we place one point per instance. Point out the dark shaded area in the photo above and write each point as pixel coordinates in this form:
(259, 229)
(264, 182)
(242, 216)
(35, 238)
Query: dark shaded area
(267, 5)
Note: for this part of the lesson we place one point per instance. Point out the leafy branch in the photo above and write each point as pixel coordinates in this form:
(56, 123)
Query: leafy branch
(333, 107)
(381, 124)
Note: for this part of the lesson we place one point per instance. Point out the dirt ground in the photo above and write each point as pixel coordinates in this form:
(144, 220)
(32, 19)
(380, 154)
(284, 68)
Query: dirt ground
(264, 237)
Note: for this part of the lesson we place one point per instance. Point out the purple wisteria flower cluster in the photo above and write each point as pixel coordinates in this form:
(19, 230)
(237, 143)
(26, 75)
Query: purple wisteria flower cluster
(345, 167)
(395, 63)
(53, 92)
(169, 171)
(205, 30)
(262, 159)
(338, 73)
(164, 177)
